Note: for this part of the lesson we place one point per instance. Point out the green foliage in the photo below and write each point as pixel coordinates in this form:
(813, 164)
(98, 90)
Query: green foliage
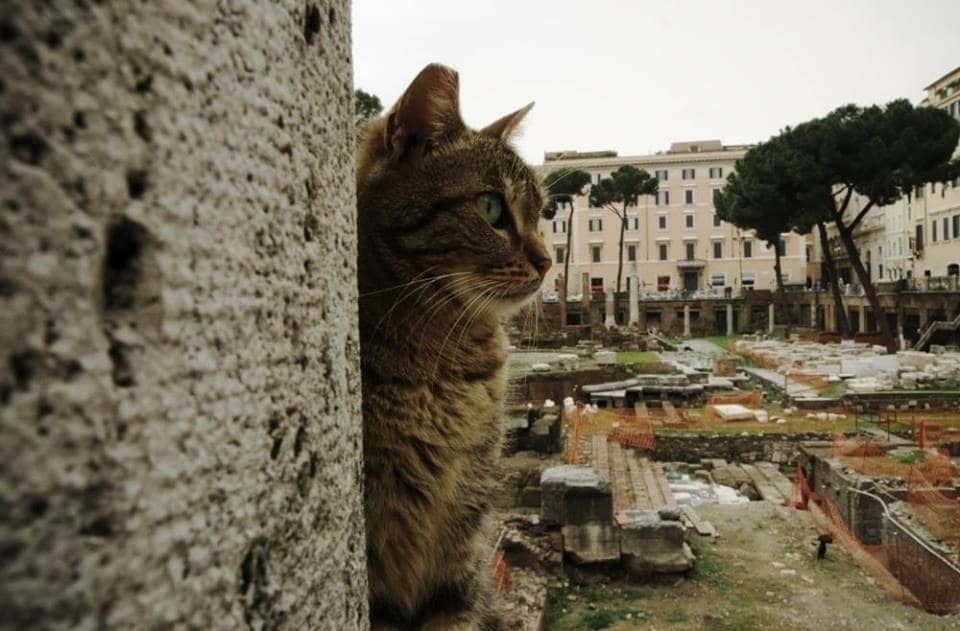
(624, 186)
(562, 186)
(367, 106)
(603, 618)
(915, 456)
(637, 357)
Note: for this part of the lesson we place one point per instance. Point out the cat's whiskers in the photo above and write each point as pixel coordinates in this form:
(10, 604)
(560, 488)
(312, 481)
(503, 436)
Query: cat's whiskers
(466, 327)
(419, 287)
(453, 327)
(447, 295)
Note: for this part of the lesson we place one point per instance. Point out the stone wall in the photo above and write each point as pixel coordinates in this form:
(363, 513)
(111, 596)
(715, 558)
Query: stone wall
(536, 387)
(780, 449)
(179, 386)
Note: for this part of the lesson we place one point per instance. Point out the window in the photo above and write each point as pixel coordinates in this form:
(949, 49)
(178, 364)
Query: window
(662, 175)
(662, 222)
(663, 198)
(716, 173)
(688, 220)
(663, 283)
(716, 220)
(880, 271)
(595, 253)
(663, 251)
(718, 280)
(748, 279)
(631, 253)
(559, 226)
(559, 254)
(946, 227)
(918, 192)
(747, 249)
(688, 196)
(691, 248)
(596, 224)
(956, 222)
(598, 178)
(809, 252)
(688, 174)
(783, 247)
(933, 231)
(718, 249)
(633, 223)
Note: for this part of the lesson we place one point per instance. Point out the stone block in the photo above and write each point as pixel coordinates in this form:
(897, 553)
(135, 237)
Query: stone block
(575, 495)
(605, 358)
(651, 545)
(591, 542)
(531, 497)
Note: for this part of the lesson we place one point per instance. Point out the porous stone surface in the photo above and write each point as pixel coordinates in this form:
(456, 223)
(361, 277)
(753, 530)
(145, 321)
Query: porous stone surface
(573, 494)
(179, 385)
(653, 544)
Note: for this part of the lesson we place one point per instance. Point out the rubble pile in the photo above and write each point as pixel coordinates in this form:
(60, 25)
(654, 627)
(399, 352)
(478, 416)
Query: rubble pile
(864, 367)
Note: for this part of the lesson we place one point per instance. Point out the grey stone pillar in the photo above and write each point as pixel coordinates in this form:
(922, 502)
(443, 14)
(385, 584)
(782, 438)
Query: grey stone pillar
(634, 282)
(586, 299)
(729, 319)
(686, 320)
(180, 410)
(813, 315)
(770, 318)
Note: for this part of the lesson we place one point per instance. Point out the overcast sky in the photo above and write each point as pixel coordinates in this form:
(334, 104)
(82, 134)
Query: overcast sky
(635, 76)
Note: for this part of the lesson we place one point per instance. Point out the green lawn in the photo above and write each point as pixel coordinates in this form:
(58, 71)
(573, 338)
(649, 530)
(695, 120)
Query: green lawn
(724, 342)
(637, 357)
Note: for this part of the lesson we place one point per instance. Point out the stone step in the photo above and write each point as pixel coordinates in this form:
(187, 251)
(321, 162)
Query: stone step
(599, 459)
(703, 527)
(666, 495)
(622, 497)
(642, 499)
(773, 475)
(764, 487)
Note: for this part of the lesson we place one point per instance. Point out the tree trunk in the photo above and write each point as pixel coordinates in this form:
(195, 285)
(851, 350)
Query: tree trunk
(567, 254)
(846, 235)
(778, 271)
(843, 325)
(623, 228)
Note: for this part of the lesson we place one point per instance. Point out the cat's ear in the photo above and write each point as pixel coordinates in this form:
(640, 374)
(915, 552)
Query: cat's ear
(427, 112)
(502, 128)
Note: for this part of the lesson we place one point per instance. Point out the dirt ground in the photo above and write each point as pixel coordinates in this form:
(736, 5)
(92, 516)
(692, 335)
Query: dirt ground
(760, 573)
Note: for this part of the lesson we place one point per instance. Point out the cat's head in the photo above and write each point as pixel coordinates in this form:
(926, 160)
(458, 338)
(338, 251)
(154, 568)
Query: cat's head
(438, 200)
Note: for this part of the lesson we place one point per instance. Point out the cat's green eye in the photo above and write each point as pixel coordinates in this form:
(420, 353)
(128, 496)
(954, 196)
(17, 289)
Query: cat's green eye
(491, 209)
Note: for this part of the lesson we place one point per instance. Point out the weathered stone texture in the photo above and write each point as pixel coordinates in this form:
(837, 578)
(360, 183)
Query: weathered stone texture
(179, 383)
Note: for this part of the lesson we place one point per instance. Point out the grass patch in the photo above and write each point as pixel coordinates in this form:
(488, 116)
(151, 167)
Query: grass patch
(914, 456)
(603, 618)
(834, 390)
(637, 357)
(634, 594)
(724, 342)
(556, 608)
(677, 616)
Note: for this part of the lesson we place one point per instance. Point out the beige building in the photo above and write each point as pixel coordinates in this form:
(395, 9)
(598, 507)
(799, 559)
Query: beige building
(673, 241)
(919, 235)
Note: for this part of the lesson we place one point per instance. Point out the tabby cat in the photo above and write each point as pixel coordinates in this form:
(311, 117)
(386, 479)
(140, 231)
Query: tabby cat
(448, 245)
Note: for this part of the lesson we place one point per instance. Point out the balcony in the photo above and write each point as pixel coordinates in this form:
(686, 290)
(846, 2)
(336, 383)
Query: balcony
(691, 264)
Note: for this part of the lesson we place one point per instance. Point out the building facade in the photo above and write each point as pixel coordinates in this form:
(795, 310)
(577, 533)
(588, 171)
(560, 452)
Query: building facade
(672, 241)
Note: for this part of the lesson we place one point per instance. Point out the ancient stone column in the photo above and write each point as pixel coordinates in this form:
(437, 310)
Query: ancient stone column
(610, 308)
(729, 318)
(770, 318)
(180, 415)
(634, 282)
(686, 320)
(586, 299)
(813, 315)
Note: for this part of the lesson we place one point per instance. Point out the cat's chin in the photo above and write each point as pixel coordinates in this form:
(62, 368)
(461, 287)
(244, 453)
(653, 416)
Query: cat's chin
(510, 305)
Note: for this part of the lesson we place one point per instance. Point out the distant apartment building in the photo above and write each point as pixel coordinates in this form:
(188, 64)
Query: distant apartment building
(919, 234)
(672, 241)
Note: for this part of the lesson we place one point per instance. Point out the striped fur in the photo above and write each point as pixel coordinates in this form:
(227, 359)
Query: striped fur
(435, 280)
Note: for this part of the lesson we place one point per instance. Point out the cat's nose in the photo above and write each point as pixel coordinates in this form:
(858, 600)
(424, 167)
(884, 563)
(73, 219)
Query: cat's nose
(541, 262)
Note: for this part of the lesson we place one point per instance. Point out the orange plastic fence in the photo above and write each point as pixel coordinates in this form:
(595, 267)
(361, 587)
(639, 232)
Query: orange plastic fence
(501, 572)
(904, 569)
(939, 513)
(750, 397)
(573, 437)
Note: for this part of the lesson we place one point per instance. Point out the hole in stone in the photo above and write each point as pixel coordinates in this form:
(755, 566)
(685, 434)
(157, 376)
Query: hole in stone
(141, 126)
(275, 449)
(311, 23)
(28, 147)
(37, 506)
(122, 373)
(298, 441)
(331, 15)
(99, 527)
(123, 264)
(8, 31)
(136, 183)
(24, 366)
(78, 55)
(144, 85)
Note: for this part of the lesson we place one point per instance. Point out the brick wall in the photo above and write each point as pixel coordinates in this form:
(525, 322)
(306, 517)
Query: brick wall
(179, 381)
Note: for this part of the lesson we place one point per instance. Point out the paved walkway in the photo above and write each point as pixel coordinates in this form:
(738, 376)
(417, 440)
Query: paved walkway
(776, 380)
